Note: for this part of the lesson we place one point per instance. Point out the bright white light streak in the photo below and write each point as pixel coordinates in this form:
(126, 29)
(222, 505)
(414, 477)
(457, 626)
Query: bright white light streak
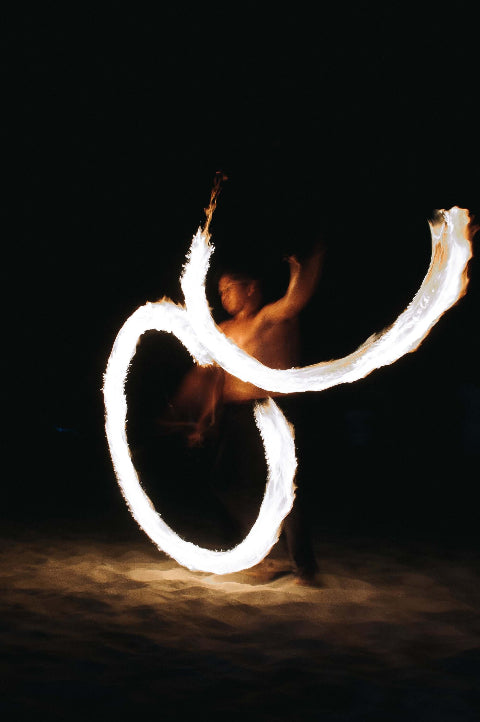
(444, 283)
(276, 433)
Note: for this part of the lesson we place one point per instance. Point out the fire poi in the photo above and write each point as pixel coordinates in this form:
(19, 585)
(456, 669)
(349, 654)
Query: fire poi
(444, 284)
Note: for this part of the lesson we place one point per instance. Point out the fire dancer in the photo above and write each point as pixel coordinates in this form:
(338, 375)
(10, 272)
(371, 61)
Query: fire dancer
(269, 333)
(220, 401)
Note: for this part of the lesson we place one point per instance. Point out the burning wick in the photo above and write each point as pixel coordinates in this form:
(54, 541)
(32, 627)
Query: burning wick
(444, 284)
(217, 186)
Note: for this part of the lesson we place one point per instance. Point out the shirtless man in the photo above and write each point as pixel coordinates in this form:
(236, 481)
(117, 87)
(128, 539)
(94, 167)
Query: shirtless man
(270, 334)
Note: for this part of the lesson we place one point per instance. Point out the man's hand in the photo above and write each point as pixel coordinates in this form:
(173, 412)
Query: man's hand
(195, 438)
(295, 265)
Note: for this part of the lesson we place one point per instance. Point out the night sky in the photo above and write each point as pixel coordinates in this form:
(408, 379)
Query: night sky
(350, 125)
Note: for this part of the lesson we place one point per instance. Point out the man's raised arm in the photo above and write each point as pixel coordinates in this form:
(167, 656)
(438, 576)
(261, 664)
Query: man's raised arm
(303, 281)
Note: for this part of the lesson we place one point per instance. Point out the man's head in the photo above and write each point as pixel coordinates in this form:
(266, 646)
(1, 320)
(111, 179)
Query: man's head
(238, 293)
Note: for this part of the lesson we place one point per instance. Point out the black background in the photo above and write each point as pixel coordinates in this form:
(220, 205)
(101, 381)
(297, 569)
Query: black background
(351, 124)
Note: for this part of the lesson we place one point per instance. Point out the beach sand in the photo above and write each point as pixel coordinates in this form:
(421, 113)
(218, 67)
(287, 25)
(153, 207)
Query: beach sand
(99, 624)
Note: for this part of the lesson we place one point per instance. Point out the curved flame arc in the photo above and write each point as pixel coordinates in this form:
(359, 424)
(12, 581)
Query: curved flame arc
(444, 284)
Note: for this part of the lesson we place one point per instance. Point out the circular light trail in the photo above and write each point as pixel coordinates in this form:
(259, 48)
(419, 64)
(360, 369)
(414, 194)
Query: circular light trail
(444, 284)
(277, 438)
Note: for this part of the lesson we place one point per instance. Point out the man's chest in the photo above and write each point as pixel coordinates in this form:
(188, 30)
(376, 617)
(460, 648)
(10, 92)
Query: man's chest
(244, 333)
(270, 344)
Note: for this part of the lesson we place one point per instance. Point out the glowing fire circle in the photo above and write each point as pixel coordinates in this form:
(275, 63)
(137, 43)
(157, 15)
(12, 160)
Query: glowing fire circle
(445, 282)
(275, 431)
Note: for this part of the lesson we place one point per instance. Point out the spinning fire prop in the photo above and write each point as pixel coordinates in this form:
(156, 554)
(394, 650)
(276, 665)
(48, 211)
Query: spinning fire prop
(444, 284)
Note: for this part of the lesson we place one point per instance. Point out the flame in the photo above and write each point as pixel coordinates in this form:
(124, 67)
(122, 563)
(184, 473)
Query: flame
(217, 187)
(445, 282)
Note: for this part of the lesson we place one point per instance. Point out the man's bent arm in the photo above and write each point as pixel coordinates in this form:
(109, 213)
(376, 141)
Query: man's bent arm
(303, 281)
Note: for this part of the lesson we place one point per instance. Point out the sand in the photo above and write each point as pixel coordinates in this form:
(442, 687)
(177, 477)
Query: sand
(102, 625)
